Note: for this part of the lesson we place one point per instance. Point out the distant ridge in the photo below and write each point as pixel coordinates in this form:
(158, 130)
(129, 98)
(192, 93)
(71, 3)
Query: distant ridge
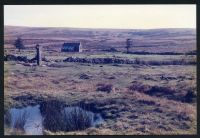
(158, 40)
(5, 26)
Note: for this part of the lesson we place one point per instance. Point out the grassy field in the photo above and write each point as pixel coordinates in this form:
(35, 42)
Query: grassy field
(121, 94)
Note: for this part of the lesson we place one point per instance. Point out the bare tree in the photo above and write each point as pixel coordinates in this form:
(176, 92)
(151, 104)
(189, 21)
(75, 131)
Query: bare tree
(19, 44)
(128, 44)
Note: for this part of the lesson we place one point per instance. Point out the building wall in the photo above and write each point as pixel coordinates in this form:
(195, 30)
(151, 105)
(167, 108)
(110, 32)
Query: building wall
(67, 48)
(80, 48)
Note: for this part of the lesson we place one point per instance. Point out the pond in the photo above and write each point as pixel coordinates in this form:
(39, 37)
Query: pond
(30, 116)
(31, 122)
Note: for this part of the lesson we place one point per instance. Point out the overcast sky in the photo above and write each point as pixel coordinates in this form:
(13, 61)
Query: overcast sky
(101, 16)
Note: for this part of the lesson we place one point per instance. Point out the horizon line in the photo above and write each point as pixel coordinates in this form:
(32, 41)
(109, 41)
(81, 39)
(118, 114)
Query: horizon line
(98, 27)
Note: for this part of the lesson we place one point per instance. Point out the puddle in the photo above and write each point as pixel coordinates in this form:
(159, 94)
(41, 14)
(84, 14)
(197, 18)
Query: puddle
(32, 117)
(32, 121)
(97, 120)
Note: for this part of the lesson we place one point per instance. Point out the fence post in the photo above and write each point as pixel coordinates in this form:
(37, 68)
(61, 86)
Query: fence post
(38, 54)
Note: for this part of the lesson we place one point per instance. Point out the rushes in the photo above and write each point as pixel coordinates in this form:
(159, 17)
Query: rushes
(77, 119)
(57, 117)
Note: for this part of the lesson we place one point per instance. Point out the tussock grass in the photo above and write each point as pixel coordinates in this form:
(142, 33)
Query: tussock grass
(56, 118)
(77, 119)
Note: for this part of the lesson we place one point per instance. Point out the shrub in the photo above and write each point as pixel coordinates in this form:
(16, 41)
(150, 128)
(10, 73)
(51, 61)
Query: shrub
(105, 87)
(139, 87)
(157, 89)
(190, 96)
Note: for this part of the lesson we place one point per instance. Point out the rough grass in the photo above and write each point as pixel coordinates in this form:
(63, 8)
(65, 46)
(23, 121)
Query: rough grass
(125, 111)
(188, 95)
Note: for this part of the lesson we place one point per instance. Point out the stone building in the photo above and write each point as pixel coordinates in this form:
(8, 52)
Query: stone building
(72, 47)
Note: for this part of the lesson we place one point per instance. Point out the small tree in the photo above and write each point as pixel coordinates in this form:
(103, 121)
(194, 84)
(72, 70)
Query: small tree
(128, 44)
(19, 44)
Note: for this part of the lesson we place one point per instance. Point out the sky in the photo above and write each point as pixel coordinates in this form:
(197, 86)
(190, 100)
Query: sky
(101, 16)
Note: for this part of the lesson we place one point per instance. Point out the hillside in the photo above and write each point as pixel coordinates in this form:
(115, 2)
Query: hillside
(148, 40)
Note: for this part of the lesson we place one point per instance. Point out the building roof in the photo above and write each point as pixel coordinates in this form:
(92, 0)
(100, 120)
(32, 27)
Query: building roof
(71, 44)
